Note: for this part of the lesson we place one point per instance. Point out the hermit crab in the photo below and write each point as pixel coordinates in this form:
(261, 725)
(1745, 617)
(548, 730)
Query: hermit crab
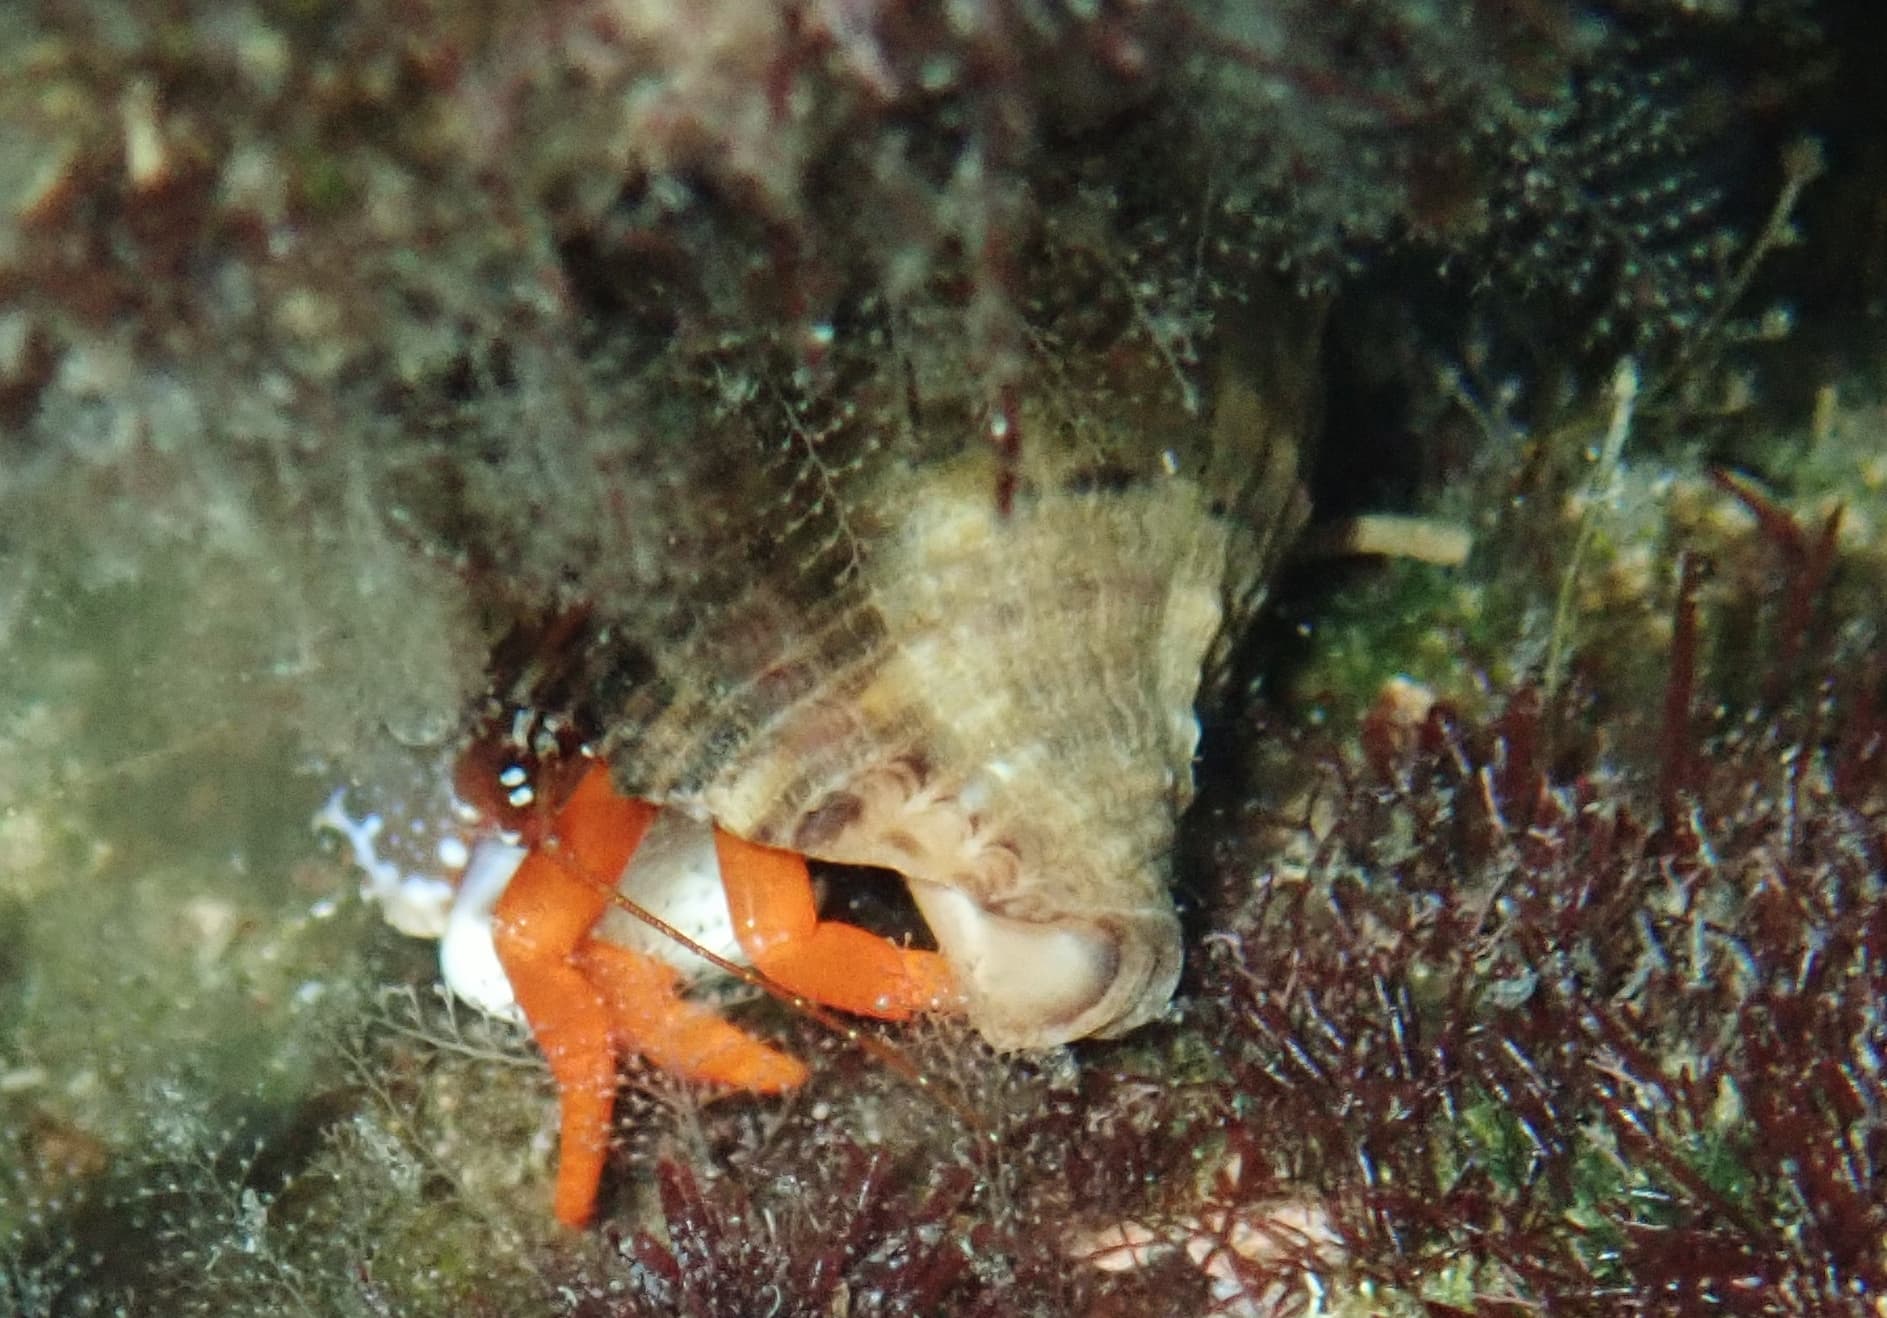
(906, 629)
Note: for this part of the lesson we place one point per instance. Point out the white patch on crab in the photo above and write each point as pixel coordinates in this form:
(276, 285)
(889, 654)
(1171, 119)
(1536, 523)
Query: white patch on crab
(468, 957)
(428, 906)
(675, 876)
(418, 905)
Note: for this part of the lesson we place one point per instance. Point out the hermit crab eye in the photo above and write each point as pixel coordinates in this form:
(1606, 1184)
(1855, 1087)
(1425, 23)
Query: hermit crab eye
(516, 780)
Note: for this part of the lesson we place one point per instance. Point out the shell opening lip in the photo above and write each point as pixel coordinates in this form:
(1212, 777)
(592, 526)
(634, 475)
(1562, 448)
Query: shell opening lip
(1035, 984)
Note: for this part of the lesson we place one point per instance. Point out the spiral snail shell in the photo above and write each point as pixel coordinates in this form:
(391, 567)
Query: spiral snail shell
(878, 638)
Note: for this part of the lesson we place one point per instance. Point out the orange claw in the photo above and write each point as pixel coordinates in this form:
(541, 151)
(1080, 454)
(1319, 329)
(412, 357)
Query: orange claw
(770, 897)
(588, 1002)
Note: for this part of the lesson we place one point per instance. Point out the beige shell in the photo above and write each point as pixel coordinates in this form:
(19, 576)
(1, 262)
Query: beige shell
(874, 655)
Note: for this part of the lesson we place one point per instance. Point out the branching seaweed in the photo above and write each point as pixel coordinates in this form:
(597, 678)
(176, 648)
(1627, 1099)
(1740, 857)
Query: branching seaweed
(1609, 1037)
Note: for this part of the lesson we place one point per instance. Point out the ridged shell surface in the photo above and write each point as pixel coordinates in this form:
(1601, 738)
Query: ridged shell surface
(881, 637)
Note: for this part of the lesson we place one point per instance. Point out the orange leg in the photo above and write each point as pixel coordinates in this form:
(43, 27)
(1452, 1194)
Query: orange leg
(588, 1002)
(651, 1018)
(769, 896)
